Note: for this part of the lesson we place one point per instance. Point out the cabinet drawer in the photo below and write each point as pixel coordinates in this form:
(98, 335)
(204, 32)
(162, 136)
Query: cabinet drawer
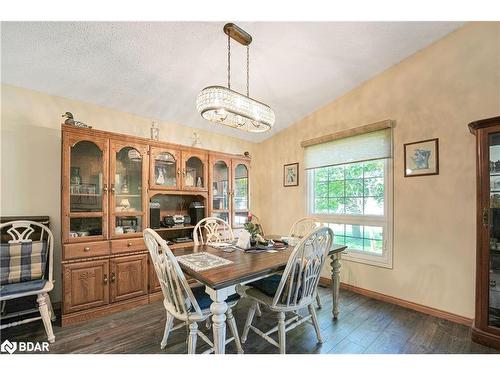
(86, 249)
(127, 245)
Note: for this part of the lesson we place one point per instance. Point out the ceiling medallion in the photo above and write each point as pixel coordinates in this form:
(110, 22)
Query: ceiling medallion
(228, 107)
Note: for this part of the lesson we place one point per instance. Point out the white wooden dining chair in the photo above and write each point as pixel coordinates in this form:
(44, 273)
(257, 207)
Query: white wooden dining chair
(212, 230)
(293, 290)
(26, 270)
(190, 306)
(301, 228)
(304, 226)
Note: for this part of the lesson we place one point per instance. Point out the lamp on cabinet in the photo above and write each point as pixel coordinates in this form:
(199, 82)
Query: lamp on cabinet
(124, 204)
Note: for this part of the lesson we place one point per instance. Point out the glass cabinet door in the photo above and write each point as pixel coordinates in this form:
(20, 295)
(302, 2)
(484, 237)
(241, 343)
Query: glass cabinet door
(194, 173)
(240, 194)
(85, 185)
(494, 231)
(165, 169)
(220, 204)
(128, 189)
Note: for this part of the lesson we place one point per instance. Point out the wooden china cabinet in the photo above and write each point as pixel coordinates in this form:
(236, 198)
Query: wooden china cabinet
(486, 329)
(128, 180)
(104, 209)
(108, 181)
(230, 189)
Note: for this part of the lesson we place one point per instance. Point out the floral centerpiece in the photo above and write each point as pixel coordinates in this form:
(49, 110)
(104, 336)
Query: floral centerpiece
(255, 231)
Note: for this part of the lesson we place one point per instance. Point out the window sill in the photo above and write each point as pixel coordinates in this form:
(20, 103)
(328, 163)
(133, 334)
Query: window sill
(371, 260)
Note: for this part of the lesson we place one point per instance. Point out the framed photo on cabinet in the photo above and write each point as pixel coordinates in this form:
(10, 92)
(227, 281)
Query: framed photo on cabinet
(422, 158)
(291, 174)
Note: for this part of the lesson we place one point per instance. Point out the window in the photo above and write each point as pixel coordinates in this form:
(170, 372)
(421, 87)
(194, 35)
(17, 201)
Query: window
(352, 196)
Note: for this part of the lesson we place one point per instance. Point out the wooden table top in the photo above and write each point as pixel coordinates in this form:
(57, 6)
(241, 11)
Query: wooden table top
(245, 266)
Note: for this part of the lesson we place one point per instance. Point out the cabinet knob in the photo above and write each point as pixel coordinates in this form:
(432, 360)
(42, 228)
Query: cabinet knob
(178, 172)
(86, 248)
(129, 243)
(112, 188)
(105, 279)
(113, 277)
(105, 188)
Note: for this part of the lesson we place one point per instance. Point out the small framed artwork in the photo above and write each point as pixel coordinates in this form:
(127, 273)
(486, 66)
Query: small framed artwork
(422, 158)
(291, 174)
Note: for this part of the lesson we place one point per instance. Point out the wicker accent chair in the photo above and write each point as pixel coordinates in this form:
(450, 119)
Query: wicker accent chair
(190, 306)
(293, 290)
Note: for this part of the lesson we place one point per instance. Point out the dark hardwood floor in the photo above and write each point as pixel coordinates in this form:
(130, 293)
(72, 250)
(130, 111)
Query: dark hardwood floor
(365, 326)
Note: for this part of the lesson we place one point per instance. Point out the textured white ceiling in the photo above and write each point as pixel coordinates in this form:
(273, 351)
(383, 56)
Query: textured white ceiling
(156, 69)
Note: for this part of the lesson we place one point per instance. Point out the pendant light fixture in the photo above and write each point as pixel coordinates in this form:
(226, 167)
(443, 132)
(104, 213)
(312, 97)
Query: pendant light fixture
(228, 107)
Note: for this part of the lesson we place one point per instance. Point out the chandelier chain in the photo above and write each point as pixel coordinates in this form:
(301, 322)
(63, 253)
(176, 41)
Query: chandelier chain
(248, 71)
(229, 62)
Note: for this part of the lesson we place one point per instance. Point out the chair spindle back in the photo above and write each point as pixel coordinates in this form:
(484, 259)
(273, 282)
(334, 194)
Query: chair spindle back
(301, 275)
(303, 227)
(212, 230)
(23, 231)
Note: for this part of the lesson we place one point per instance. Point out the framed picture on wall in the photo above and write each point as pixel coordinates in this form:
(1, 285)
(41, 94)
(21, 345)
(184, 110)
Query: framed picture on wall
(291, 174)
(422, 158)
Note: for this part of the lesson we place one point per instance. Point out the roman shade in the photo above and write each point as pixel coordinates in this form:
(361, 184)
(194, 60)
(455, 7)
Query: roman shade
(350, 149)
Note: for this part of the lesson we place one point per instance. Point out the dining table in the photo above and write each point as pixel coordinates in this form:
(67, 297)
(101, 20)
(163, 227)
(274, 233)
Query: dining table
(245, 267)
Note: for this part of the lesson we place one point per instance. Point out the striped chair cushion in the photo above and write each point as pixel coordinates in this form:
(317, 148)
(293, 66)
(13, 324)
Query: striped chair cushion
(22, 261)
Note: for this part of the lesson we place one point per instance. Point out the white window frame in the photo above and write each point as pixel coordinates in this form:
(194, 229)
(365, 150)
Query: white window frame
(386, 221)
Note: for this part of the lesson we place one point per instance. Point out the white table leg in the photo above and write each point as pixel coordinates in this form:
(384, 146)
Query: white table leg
(336, 264)
(218, 309)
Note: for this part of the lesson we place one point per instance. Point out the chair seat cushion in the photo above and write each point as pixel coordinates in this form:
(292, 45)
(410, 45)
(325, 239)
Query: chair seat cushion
(28, 286)
(204, 300)
(268, 285)
(22, 261)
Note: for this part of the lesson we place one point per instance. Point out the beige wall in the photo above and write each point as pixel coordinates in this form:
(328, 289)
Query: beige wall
(31, 150)
(434, 93)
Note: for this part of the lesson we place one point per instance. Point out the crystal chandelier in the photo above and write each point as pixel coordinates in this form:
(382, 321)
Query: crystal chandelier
(228, 107)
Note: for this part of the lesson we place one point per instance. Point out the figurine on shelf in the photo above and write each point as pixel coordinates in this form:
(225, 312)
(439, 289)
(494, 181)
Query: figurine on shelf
(155, 131)
(75, 176)
(125, 185)
(196, 140)
(160, 180)
(71, 121)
